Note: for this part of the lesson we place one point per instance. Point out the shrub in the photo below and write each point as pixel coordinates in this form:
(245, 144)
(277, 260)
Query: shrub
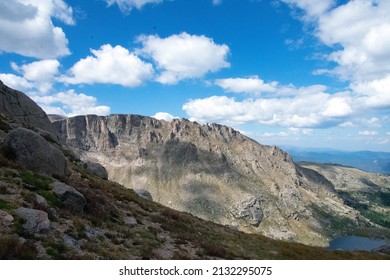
(3, 204)
(385, 198)
(12, 248)
(215, 250)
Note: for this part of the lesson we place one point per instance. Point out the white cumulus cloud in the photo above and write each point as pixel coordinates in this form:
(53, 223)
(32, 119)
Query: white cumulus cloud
(26, 27)
(291, 132)
(67, 103)
(70, 103)
(184, 56)
(164, 116)
(38, 75)
(16, 82)
(38, 81)
(337, 107)
(362, 29)
(313, 9)
(374, 94)
(251, 85)
(357, 33)
(127, 5)
(274, 134)
(313, 110)
(42, 70)
(115, 65)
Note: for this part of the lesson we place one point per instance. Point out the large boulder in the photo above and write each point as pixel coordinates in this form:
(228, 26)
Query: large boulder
(130, 221)
(32, 151)
(144, 194)
(35, 221)
(41, 202)
(18, 110)
(69, 197)
(97, 169)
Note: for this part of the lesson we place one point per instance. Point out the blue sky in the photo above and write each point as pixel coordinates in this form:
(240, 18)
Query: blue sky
(284, 72)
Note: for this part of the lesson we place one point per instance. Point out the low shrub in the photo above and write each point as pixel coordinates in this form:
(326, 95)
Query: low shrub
(39, 181)
(13, 248)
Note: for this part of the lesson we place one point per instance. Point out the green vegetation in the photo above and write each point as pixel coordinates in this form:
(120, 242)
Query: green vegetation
(56, 249)
(3, 204)
(334, 224)
(384, 198)
(39, 185)
(382, 219)
(370, 205)
(38, 181)
(51, 199)
(17, 227)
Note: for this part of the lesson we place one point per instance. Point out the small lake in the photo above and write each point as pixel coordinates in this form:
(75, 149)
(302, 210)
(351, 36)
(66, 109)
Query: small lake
(352, 243)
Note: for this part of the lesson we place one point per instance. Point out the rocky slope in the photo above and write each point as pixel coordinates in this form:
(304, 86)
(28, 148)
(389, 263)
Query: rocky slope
(85, 217)
(368, 193)
(215, 173)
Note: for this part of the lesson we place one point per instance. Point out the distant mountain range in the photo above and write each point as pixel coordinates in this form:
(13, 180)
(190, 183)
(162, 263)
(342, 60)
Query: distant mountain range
(375, 162)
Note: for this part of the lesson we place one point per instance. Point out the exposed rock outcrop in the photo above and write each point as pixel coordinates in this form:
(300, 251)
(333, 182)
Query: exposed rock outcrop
(144, 194)
(5, 219)
(32, 151)
(41, 202)
(249, 210)
(69, 196)
(35, 221)
(18, 110)
(97, 169)
(130, 221)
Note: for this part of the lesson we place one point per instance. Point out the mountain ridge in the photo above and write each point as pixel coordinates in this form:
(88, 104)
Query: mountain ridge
(213, 172)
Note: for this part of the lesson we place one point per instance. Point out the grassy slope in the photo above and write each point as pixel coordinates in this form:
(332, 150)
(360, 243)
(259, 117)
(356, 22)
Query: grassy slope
(101, 233)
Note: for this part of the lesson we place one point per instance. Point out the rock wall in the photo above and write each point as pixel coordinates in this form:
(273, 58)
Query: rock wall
(211, 171)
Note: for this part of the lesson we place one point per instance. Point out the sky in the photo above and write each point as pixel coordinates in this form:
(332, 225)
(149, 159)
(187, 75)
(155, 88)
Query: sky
(311, 74)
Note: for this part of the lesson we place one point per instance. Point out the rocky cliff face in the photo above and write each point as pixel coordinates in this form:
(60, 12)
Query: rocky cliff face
(211, 171)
